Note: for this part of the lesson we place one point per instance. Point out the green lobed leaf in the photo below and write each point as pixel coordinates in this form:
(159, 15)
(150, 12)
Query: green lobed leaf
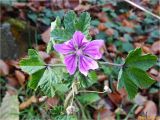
(83, 23)
(69, 21)
(33, 63)
(144, 62)
(133, 74)
(139, 77)
(71, 24)
(41, 76)
(130, 87)
(60, 34)
(34, 79)
(51, 76)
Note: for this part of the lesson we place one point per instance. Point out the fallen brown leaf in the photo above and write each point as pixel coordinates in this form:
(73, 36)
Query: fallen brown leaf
(109, 31)
(115, 97)
(140, 100)
(46, 35)
(155, 74)
(102, 77)
(44, 55)
(20, 77)
(12, 81)
(127, 23)
(4, 69)
(156, 47)
(93, 31)
(13, 63)
(27, 103)
(112, 48)
(102, 17)
(82, 8)
(102, 27)
(150, 109)
(104, 114)
(138, 110)
(146, 49)
(51, 102)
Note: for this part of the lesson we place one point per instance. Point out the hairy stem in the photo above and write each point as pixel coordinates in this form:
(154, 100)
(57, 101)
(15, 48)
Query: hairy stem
(71, 95)
(113, 64)
(87, 91)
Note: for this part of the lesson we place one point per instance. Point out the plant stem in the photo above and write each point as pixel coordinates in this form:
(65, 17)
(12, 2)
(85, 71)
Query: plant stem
(131, 111)
(72, 92)
(113, 64)
(81, 108)
(91, 91)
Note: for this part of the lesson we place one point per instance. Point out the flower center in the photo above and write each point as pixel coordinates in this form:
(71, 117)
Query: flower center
(79, 52)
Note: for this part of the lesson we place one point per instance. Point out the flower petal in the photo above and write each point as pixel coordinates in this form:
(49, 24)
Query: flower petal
(65, 48)
(92, 49)
(71, 63)
(86, 63)
(79, 39)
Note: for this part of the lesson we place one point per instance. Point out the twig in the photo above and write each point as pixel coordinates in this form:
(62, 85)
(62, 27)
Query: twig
(113, 64)
(141, 8)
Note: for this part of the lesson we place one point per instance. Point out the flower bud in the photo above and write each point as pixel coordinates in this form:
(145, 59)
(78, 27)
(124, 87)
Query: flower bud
(71, 110)
(107, 89)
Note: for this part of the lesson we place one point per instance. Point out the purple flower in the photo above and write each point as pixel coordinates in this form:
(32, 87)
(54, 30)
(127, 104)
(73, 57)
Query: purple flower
(80, 52)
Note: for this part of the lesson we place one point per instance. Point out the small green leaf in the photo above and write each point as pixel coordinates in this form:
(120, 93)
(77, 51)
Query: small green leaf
(133, 74)
(88, 81)
(92, 76)
(56, 23)
(88, 98)
(41, 76)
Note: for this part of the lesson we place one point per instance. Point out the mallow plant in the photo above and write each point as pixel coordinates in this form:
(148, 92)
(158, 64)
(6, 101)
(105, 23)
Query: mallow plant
(80, 58)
